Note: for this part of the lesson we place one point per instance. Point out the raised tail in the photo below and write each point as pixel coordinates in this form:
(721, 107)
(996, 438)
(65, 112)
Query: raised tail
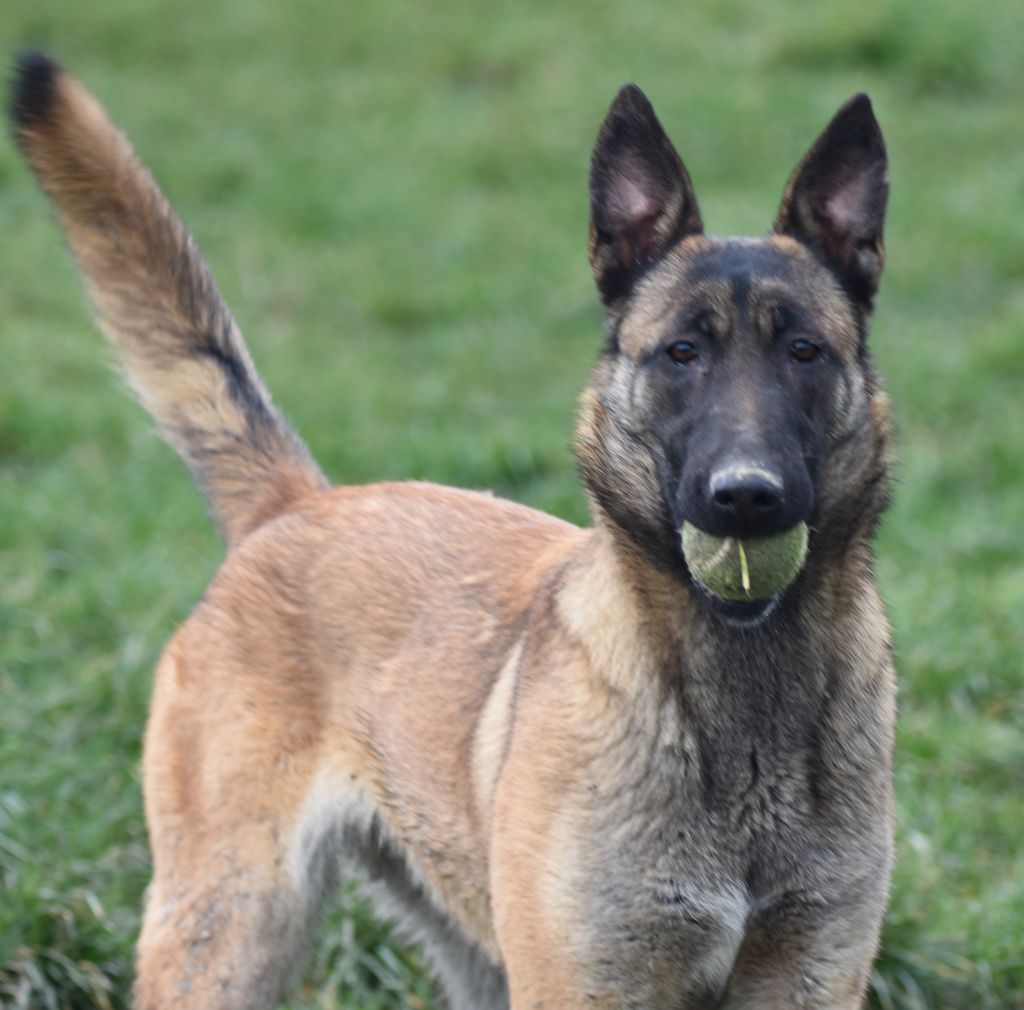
(157, 302)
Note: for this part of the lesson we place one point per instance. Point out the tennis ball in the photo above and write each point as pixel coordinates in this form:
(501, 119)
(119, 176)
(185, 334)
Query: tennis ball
(750, 569)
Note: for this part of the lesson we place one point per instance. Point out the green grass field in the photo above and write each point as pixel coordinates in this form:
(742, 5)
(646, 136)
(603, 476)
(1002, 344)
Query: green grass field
(393, 198)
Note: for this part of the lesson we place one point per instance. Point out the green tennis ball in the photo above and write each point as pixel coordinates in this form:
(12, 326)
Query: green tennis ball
(750, 569)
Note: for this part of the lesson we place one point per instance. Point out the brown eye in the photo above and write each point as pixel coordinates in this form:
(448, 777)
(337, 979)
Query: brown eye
(683, 352)
(803, 351)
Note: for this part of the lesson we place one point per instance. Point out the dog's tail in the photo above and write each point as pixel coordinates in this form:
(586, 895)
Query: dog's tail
(157, 302)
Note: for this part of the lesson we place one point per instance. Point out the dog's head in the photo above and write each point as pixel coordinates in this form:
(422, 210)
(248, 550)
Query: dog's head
(735, 390)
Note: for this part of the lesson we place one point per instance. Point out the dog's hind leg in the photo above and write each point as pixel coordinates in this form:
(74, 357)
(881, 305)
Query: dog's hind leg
(245, 818)
(225, 934)
(469, 979)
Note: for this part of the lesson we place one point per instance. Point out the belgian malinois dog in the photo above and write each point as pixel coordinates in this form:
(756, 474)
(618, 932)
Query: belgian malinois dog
(572, 775)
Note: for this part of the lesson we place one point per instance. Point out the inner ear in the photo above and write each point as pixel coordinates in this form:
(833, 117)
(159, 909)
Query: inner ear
(641, 197)
(835, 200)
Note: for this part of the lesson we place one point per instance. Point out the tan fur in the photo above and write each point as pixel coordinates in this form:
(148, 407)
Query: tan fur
(159, 306)
(478, 703)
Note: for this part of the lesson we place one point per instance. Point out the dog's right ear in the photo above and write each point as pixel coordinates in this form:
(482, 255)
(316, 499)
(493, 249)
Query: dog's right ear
(641, 197)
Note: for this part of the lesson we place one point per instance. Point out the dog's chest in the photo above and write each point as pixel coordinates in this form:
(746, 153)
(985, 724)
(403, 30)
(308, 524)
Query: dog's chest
(707, 796)
(687, 847)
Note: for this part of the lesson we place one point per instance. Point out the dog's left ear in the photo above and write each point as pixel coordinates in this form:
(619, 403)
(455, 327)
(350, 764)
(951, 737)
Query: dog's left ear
(641, 197)
(835, 199)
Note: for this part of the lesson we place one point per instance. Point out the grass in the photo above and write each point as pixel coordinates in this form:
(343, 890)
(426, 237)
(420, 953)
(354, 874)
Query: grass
(392, 197)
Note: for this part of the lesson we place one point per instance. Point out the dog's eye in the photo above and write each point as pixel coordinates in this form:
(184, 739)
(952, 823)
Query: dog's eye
(803, 351)
(682, 352)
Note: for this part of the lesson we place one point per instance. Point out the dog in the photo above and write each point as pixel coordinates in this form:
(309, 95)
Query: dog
(573, 776)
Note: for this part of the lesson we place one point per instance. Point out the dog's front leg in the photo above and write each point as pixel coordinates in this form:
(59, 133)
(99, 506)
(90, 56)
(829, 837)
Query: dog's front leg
(809, 956)
(538, 939)
(538, 885)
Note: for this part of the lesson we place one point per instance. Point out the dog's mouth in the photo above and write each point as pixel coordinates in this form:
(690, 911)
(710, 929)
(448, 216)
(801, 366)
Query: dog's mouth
(738, 613)
(740, 581)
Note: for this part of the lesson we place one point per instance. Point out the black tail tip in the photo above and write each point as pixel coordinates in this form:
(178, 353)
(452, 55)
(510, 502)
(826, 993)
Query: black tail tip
(32, 87)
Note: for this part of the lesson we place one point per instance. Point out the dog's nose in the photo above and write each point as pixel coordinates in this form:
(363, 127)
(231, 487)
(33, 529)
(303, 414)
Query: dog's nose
(747, 500)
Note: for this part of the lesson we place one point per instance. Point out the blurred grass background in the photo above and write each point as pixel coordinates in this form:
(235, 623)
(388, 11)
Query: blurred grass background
(392, 196)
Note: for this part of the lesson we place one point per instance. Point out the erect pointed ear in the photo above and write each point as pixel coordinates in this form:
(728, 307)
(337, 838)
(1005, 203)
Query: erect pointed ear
(641, 198)
(835, 199)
